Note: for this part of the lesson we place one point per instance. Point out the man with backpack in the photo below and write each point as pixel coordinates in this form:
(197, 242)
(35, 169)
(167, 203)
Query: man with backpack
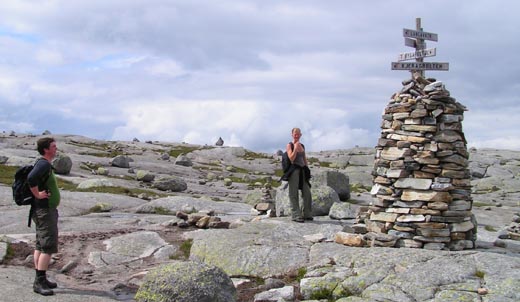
(298, 176)
(44, 212)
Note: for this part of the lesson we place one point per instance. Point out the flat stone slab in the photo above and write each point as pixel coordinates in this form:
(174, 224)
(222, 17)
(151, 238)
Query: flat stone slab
(413, 183)
(423, 275)
(129, 248)
(267, 248)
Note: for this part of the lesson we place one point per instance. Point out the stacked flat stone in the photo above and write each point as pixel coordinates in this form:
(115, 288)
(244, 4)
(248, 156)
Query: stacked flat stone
(421, 176)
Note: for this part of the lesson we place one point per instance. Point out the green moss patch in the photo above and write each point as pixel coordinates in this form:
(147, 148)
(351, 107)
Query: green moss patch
(176, 151)
(7, 174)
(66, 185)
(358, 188)
(249, 155)
(100, 150)
(490, 228)
(162, 211)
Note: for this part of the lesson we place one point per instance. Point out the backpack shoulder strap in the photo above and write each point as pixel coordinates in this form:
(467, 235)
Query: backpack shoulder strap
(48, 175)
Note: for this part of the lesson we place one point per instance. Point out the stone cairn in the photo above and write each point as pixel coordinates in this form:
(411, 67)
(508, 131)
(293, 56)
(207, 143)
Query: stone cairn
(266, 206)
(421, 177)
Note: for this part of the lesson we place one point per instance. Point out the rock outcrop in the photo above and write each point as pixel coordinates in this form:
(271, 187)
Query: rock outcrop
(122, 245)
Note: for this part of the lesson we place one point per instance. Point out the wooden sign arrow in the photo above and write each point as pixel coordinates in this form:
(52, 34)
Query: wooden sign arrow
(410, 42)
(430, 52)
(417, 34)
(420, 66)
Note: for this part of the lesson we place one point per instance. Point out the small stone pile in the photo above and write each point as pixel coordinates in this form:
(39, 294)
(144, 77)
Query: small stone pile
(266, 206)
(201, 220)
(421, 177)
(513, 230)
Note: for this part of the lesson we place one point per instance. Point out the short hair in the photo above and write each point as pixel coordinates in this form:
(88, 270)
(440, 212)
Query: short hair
(296, 129)
(44, 143)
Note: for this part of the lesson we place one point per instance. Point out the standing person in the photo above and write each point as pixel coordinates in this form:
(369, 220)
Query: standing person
(44, 213)
(299, 179)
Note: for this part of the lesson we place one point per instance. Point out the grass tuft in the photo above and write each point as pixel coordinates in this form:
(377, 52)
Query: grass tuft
(301, 274)
(9, 254)
(480, 274)
(249, 155)
(185, 248)
(162, 211)
(176, 151)
(322, 294)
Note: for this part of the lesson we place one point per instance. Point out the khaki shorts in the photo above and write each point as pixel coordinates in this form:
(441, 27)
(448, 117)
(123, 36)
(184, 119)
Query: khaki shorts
(46, 221)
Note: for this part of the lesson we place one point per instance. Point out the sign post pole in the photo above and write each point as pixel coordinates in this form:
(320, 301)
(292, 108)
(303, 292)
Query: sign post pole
(419, 46)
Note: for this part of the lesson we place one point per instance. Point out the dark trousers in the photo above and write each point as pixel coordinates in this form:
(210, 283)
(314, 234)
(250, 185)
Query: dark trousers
(296, 181)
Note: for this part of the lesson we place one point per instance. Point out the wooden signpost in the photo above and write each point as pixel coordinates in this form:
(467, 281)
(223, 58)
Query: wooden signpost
(415, 38)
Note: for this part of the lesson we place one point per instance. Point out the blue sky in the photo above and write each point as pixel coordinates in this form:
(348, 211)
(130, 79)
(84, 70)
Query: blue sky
(248, 71)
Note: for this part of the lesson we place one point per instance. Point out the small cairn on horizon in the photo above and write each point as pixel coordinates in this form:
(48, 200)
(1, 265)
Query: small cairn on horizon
(421, 178)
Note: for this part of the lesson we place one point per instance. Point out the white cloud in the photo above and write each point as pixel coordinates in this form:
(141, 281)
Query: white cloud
(49, 57)
(13, 91)
(493, 128)
(164, 67)
(19, 127)
(261, 125)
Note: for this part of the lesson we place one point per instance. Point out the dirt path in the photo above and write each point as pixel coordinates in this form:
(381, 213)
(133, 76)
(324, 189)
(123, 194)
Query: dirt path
(70, 267)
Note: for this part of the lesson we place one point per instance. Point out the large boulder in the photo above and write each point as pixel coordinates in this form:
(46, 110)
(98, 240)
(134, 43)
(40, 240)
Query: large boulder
(144, 176)
(121, 161)
(3, 159)
(183, 160)
(62, 164)
(94, 183)
(323, 197)
(334, 179)
(188, 282)
(170, 183)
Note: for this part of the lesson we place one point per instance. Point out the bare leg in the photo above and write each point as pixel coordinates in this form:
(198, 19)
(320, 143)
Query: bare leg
(43, 261)
(36, 258)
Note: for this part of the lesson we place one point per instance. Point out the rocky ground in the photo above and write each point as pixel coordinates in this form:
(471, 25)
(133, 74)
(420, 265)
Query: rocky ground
(115, 231)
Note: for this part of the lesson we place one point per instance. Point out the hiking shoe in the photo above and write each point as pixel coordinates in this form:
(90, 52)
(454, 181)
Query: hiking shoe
(299, 219)
(51, 284)
(40, 287)
(309, 218)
